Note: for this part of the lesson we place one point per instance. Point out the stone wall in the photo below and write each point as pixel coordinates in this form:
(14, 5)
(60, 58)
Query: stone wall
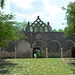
(51, 40)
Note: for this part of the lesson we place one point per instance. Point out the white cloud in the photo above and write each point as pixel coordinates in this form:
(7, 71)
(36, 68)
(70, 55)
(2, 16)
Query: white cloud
(52, 10)
(51, 13)
(28, 17)
(23, 3)
(6, 7)
(7, 3)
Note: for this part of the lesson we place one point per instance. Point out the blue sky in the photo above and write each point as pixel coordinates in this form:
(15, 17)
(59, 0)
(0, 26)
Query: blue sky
(48, 10)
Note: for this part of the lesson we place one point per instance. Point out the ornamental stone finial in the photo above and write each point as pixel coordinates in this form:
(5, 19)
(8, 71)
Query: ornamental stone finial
(28, 23)
(38, 17)
(48, 23)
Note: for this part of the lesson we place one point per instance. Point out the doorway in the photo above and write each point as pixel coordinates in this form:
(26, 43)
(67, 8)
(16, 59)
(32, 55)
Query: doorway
(36, 52)
(73, 52)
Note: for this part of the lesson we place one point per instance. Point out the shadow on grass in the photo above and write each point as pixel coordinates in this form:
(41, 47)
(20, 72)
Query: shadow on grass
(72, 62)
(73, 71)
(5, 66)
(4, 71)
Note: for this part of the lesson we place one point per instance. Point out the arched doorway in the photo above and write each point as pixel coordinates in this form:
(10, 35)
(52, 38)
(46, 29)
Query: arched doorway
(39, 49)
(73, 52)
(8, 51)
(71, 48)
(23, 49)
(54, 48)
(36, 52)
(23, 46)
(70, 44)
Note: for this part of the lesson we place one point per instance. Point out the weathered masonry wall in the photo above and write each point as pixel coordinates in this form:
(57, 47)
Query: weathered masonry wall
(53, 41)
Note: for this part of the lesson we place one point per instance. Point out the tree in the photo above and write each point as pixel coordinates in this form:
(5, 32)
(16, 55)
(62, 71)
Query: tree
(8, 29)
(70, 17)
(60, 30)
(21, 26)
(2, 3)
(54, 30)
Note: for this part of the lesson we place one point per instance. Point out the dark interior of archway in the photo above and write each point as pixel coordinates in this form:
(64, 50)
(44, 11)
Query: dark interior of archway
(70, 45)
(73, 52)
(53, 47)
(36, 52)
(39, 44)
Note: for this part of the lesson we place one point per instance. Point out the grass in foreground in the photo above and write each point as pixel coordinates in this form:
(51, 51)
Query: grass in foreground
(40, 66)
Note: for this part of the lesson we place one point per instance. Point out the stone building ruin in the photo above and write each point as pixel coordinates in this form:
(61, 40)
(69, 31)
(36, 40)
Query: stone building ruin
(40, 37)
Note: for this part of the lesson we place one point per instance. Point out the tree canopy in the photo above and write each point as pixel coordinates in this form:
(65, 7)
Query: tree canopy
(21, 26)
(2, 3)
(7, 29)
(60, 30)
(70, 17)
(54, 30)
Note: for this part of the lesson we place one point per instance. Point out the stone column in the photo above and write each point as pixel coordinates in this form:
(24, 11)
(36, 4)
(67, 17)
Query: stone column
(61, 52)
(15, 52)
(0, 49)
(0, 52)
(31, 52)
(70, 53)
(46, 52)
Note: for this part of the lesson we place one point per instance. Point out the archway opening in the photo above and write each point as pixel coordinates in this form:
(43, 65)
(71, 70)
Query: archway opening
(54, 49)
(73, 52)
(36, 52)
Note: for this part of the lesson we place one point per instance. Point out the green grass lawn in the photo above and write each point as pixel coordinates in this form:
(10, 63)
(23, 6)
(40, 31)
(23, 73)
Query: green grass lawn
(38, 66)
